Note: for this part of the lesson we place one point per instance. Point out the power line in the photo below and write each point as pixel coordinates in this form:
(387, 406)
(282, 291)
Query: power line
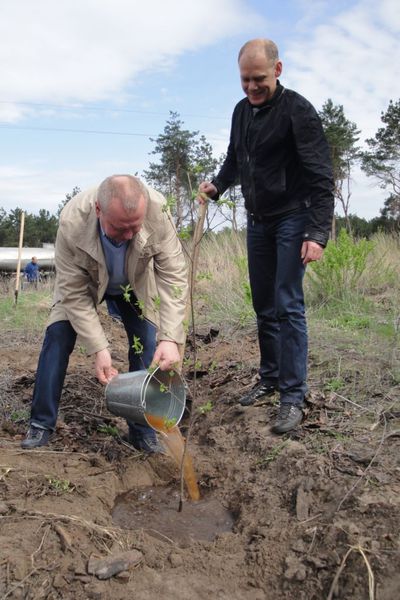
(90, 131)
(69, 107)
(67, 130)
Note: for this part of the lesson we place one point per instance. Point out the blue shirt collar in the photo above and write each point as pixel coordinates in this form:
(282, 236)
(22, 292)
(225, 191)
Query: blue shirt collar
(113, 242)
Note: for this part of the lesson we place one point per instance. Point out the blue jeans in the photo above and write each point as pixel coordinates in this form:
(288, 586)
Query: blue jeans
(113, 309)
(57, 346)
(276, 276)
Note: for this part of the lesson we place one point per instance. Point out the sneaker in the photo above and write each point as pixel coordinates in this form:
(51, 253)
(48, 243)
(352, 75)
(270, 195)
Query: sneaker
(144, 441)
(35, 438)
(258, 391)
(148, 445)
(290, 415)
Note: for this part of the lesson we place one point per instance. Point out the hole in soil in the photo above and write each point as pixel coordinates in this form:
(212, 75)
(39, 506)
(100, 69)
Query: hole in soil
(155, 509)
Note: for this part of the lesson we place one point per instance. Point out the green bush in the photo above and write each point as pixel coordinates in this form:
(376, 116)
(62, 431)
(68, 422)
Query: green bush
(336, 276)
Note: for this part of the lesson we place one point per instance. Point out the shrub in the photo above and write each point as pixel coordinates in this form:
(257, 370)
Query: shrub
(336, 276)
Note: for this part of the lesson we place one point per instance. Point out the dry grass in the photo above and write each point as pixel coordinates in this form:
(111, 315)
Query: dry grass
(382, 275)
(354, 342)
(222, 288)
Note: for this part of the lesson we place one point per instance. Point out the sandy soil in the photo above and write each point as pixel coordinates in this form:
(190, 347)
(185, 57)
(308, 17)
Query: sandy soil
(314, 513)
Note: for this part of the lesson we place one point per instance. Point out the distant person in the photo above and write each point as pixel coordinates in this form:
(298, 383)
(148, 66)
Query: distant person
(279, 153)
(114, 242)
(31, 271)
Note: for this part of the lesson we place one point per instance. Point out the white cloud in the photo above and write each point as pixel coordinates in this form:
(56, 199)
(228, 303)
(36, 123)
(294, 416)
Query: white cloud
(33, 186)
(352, 58)
(87, 51)
(219, 140)
(30, 189)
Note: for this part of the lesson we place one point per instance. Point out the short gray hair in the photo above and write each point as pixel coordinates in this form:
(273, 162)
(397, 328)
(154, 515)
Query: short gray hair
(269, 47)
(127, 188)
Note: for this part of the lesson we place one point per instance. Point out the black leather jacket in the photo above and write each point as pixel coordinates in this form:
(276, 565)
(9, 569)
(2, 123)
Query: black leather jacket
(281, 158)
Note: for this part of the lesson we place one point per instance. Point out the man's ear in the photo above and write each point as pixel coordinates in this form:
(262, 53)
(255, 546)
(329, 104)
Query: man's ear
(278, 69)
(97, 209)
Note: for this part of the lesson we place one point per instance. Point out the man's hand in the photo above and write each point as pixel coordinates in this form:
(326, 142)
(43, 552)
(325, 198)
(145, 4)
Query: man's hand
(166, 355)
(311, 251)
(103, 366)
(206, 190)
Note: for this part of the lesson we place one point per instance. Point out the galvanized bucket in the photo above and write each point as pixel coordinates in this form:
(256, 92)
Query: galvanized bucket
(155, 398)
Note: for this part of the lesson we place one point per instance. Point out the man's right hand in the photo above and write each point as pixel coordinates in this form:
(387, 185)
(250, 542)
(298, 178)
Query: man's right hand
(103, 366)
(208, 189)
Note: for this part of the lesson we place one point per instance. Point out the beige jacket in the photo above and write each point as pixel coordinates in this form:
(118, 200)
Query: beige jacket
(155, 266)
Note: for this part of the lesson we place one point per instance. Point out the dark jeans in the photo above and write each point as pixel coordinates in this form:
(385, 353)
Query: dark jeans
(276, 279)
(58, 344)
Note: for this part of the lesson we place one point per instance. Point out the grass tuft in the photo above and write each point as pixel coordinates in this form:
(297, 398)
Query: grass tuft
(29, 314)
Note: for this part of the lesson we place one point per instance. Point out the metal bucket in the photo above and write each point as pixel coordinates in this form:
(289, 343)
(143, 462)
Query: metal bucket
(140, 395)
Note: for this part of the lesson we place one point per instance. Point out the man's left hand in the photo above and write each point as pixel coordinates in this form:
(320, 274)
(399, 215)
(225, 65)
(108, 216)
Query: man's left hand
(166, 355)
(311, 251)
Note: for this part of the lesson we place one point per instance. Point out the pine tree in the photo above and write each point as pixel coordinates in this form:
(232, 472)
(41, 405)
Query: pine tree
(382, 160)
(342, 136)
(67, 198)
(185, 160)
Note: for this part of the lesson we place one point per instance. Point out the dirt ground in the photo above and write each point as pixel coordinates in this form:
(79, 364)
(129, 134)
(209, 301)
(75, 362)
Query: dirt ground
(316, 513)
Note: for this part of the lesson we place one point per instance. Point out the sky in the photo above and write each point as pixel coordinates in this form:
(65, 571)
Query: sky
(87, 84)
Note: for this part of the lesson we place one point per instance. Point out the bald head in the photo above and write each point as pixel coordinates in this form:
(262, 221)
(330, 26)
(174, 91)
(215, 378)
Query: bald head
(260, 45)
(259, 67)
(126, 188)
(121, 207)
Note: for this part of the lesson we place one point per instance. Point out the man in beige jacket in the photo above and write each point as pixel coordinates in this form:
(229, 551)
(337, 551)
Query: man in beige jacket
(114, 242)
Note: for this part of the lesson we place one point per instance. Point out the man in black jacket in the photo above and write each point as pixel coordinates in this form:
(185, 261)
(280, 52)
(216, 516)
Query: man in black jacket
(279, 154)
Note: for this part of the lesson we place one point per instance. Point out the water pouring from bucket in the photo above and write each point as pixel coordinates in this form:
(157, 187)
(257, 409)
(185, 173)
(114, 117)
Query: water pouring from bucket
(155, 398)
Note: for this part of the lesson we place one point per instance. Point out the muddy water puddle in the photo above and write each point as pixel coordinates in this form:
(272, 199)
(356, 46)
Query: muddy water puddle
(155, 510)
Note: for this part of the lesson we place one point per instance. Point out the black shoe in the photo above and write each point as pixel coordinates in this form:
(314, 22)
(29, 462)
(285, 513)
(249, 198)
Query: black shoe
(35, 438)
(148, 445)
(144, 438)
(258, 391)
(290, 415)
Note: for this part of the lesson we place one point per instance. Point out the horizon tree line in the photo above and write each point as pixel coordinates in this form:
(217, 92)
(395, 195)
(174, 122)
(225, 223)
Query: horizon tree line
(185, 159)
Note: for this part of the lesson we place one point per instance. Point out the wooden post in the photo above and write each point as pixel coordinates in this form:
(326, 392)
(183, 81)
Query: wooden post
(21, 239)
